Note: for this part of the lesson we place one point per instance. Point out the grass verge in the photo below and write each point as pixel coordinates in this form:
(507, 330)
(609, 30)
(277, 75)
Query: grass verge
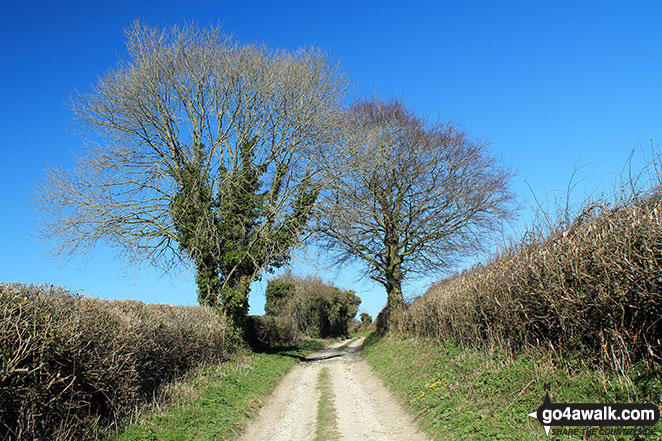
(216, 402)
(327, 419)
(457, 393)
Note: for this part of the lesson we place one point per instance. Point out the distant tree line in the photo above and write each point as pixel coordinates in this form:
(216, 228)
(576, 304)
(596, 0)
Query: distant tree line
(315, 308)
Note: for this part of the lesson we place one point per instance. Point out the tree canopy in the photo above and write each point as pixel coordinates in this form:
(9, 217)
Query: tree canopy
(199, 149)
(408, 196)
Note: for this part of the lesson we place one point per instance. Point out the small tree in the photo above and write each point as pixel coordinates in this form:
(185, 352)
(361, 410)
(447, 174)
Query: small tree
(278, 293)
(409, 196)
(366, 319)
(203, 149)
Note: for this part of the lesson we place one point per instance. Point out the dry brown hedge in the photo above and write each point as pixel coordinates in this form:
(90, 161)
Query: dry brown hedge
(594, 290)
(69, 363)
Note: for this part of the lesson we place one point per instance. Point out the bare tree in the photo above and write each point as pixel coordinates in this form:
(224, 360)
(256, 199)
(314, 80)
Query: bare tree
(202, 149)
(408, 196)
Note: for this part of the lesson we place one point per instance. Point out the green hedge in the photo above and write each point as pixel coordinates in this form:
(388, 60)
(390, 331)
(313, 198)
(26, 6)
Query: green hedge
(315, 308)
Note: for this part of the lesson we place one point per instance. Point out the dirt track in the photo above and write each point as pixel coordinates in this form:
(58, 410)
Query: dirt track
(365, 409)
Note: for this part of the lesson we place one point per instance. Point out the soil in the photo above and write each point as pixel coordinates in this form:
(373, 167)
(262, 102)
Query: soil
(365, 409)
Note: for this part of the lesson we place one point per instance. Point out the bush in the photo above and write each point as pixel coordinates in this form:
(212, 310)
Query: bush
(267, 332)
(71, 363)
(277, 294)
(313, 308)
(594, 289)
(321, 310)
(366, 324)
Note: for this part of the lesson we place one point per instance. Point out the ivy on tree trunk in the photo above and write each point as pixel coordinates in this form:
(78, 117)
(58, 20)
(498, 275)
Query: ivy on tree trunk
(232, 235)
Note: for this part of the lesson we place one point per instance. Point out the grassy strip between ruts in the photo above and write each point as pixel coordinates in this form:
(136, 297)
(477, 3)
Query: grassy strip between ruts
(457, 393)
(327, 419)
(216, 403)
(347, 343)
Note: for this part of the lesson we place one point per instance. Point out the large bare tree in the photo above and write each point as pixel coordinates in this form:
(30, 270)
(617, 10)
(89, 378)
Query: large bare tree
(199, 149)
(408, 196)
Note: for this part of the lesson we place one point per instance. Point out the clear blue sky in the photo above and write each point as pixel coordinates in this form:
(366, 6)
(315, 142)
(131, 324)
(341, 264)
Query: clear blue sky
(547, 83)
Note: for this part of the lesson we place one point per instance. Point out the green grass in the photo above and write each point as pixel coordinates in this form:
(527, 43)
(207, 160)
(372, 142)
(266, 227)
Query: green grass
(347, 343)
(457, 393)
(217, 402)
(362, 332)
(327, 419)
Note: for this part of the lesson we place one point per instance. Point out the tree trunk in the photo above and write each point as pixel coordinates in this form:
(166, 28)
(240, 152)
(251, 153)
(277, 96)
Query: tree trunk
(394, 286)
(234, 300)
(393, 268)
(208, 281)
(394, 292)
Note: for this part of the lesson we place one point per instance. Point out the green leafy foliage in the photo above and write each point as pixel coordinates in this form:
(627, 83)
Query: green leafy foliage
(233, 235)
(316, 308)
(192, 211)
(277, 294)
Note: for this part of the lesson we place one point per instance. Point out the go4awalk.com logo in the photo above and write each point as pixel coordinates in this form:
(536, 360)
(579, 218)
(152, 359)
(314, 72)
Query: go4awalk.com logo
(632, 418)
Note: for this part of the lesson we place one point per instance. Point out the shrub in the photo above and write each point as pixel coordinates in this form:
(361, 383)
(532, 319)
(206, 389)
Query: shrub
(277, 294)
(593, 289)
(266, 332)
(319, 309)
(312, 307)
(71, 363)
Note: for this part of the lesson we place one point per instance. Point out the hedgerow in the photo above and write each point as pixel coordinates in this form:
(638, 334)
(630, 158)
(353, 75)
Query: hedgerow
(70, 364)
(593, 289)
(315, 308)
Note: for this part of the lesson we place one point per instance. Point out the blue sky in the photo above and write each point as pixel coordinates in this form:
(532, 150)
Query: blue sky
(548, 84)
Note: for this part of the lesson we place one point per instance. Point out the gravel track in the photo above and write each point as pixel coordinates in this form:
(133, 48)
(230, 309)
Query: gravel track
(365, 409)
